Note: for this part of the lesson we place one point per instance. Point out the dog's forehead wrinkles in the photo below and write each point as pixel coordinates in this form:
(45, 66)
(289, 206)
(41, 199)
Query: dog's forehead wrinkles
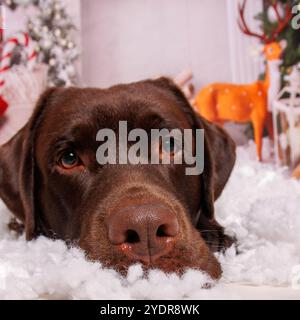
(105, 108)
(78, 114)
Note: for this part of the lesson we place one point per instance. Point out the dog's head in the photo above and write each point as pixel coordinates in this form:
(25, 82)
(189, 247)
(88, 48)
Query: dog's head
(119, 214)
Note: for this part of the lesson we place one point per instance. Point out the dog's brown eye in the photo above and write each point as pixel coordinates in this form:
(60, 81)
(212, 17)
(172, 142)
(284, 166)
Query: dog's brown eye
(69, 159)
(169, 145)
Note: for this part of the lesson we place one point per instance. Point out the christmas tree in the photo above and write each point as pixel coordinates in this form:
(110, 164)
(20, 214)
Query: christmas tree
(52, 29)
(268, 21)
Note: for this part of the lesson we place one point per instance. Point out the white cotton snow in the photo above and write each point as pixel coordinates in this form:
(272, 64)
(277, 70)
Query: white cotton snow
(260, 205)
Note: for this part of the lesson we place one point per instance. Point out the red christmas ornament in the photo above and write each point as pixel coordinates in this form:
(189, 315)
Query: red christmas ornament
(3, 106)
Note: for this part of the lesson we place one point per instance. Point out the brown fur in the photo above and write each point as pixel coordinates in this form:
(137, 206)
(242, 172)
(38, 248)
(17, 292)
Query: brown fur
(74, 206)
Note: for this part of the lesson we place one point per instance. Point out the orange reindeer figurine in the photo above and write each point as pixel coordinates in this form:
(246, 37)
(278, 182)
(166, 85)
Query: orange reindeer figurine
(219, 102)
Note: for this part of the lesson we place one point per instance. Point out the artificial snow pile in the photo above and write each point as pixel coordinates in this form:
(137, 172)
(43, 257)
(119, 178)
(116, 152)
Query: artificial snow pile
(260, 206)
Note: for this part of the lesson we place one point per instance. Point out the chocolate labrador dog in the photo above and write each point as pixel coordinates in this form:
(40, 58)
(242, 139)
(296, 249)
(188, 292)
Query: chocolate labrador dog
(118, 214)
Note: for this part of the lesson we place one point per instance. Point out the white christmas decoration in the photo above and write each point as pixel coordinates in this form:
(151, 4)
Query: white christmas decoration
(286, 115)
(53, 30)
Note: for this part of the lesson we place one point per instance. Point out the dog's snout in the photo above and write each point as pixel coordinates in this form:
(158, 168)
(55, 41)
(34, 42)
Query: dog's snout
(143, 232)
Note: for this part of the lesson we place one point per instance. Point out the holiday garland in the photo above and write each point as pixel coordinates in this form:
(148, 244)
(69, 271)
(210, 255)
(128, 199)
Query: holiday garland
(51, 28)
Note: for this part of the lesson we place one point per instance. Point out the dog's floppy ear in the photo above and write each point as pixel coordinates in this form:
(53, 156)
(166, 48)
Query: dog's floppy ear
(17, 165)
(219, 160)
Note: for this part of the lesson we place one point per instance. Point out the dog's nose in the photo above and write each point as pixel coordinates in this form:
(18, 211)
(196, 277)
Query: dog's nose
(143, 232)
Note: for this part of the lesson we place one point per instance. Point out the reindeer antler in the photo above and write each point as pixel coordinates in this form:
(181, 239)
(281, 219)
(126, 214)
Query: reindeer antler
(281, 22)
(243, 25)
